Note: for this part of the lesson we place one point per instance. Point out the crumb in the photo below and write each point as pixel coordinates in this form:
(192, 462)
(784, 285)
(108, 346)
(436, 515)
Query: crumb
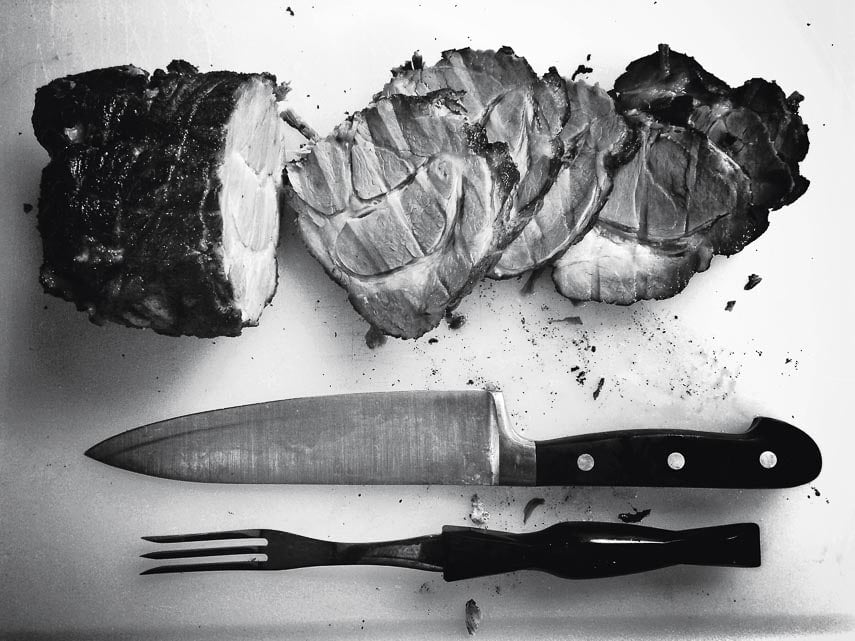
(599, 388)
(289, 10)
(455, 321)
(473, 616)
(470, 382)
(635, 516)
(478, 515)
(531, 506)
(729, 306)
(581, 69)
(753, 281)
(27, 208)
(374, 338)
(570, 320)
(433, 341)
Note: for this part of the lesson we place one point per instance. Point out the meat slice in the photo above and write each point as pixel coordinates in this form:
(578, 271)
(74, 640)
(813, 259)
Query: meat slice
(755, 124)
(594, 139)
(500, 91)
(406, 205)
(159, 206)
(658, 226)
(671, 208)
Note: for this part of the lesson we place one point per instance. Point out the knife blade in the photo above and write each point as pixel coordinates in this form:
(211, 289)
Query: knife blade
(446, 437)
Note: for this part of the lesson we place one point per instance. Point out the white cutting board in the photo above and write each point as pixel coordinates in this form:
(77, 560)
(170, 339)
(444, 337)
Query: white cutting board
(70, 527)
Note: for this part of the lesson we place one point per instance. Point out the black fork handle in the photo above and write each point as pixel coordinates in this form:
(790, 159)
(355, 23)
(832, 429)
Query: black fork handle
(586, 550)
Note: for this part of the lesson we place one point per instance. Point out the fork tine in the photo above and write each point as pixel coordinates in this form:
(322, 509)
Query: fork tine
(185, 554)
(206, 536)
(209, 567)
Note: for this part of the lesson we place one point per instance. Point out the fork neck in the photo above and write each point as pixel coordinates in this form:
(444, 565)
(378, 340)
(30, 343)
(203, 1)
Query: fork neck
(420, 553)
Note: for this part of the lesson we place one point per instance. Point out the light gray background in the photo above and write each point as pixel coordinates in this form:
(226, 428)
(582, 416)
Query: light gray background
(70, 527)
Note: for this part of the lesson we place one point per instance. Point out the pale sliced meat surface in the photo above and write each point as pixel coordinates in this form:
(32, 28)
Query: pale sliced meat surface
(669, 207)
(593, 137)
(500, 91)
(406, 205)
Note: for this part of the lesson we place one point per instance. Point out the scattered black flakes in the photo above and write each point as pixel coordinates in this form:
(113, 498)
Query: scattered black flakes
(581, 69)
(374, 338)
(531, 506)
(531, 281)
(816, 492)
(599, 388)
(27, 208)
(753, 281)
(635, 516)
(424, 588)
(570, 320)
(473, 616)
(289, 10)
(581, 377)
(729, 306)
(433, 341)
(455, 321)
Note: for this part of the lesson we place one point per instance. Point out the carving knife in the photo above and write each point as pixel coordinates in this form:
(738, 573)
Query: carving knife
(446, 437)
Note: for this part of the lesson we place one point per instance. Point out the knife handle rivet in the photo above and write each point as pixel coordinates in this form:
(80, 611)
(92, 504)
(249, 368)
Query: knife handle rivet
(676, 461)
(585, 462)
(768, 459)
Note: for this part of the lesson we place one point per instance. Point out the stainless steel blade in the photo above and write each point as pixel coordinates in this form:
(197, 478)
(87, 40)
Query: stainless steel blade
(421, 437)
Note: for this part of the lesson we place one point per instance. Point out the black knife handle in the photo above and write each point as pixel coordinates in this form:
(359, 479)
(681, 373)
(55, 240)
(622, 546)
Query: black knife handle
(587, 550)
(770, 454)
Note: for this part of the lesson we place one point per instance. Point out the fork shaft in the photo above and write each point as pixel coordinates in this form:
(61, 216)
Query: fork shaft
(419, 553)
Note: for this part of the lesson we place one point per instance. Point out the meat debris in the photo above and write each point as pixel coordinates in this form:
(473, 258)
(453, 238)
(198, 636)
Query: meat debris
(753, 281)
(473, 616)
(531, 506)
(636, 516)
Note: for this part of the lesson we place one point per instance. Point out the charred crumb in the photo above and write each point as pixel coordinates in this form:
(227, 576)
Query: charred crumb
(289, 10)
(729, 306)
(581, 69)
(27, 208)
(753, 281)
(816, 492)
(531, 506)
(454, 321)
(570, 320)
(374, 338)
(599, 388)
(635, 516)
(473, 616)
(470, 382)
(581, 377)
(433, 341)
